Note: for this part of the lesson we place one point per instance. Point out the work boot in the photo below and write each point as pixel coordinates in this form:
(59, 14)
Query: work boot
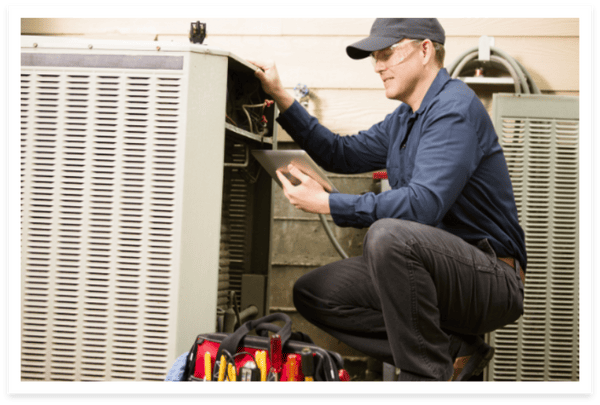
(471, 356)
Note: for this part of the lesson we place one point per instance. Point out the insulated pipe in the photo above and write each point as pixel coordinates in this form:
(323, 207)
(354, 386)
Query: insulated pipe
(463, 61)
(495, 59)
(521, 72)
(535, 89)
(510, 70)
(521, 82)
(332, 238)
(514, 64)
(456, 61)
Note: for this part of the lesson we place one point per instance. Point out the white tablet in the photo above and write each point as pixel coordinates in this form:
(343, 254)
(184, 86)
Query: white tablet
(272, 160)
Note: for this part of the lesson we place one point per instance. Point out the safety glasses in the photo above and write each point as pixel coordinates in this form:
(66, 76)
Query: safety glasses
(390, 56)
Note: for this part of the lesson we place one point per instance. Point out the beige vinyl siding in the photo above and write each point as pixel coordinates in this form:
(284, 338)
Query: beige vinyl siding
(507, 27)
(346, 95)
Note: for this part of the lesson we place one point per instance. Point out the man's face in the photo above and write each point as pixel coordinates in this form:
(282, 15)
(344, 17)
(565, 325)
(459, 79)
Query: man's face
(399, 68)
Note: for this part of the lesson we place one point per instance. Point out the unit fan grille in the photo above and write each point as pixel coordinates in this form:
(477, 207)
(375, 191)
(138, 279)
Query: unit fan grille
(99, 174)
(542, 156)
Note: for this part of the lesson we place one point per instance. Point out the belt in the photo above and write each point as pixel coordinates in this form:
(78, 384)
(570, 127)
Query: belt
(511, 262)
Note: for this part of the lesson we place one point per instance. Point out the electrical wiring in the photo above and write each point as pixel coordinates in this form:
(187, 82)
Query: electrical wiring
(243, 100)
(260, 119)
(230, 120)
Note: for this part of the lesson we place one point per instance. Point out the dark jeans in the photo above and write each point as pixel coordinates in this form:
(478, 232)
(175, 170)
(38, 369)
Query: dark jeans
(413, 286)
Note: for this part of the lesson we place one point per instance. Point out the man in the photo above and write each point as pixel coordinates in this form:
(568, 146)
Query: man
(444, 255)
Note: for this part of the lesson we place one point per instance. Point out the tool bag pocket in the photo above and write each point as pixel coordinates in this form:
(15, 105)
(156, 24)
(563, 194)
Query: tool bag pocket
(243, 352)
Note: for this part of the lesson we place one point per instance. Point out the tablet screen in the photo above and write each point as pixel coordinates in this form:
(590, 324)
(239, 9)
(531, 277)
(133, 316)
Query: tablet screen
(272, 160)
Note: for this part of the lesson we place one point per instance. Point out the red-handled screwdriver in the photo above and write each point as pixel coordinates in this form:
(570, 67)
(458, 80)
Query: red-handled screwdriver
(276, 358)
(292, 363)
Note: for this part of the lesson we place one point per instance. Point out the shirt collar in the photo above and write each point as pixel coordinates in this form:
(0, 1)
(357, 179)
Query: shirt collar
(435, 88)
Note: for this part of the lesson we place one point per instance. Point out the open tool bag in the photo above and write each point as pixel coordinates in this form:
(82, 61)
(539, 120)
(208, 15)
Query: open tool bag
(260, 350)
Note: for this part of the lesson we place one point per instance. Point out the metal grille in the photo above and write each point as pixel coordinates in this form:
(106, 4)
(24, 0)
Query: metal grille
(237, 211)
(539, 135)
(98, 155)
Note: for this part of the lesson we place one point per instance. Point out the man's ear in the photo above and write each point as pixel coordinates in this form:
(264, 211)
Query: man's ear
(427, 51)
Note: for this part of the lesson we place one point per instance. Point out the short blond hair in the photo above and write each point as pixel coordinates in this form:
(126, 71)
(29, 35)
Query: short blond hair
(440, 53)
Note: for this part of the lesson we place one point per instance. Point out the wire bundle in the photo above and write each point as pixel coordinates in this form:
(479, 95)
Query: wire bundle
(259, 120)
(243, 100)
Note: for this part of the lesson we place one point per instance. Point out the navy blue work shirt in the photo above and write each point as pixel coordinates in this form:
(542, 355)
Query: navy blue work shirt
(444, 164)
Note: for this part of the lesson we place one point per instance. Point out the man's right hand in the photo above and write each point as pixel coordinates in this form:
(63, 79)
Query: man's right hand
(271, 83)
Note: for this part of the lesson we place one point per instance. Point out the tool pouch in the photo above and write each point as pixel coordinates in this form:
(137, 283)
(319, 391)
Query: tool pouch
(241, 346)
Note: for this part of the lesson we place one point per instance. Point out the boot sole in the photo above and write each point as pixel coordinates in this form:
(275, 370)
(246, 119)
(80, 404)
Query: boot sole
(479, 367)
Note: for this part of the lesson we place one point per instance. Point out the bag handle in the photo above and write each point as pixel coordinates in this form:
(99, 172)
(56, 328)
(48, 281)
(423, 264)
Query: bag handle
(232, 342)
(264, 328)
(326, 367)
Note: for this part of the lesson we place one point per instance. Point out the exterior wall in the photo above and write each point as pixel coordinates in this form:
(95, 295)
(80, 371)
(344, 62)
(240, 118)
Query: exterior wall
(345, 95)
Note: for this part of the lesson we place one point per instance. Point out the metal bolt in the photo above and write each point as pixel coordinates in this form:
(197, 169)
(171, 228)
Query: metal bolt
(90, 46)
(35, 45)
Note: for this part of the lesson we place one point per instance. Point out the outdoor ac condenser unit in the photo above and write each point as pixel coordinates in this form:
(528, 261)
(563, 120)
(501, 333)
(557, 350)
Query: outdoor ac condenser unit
(540, 138)
(138, 202)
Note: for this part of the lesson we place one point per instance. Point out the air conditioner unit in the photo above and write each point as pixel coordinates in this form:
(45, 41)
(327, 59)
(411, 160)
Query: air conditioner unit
(540, 138)
(141, 208)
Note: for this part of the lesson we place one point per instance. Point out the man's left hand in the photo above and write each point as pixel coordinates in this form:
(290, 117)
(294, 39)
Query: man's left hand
(308, 195)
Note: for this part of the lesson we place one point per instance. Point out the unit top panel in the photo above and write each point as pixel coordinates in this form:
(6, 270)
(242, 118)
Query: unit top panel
(85, 44)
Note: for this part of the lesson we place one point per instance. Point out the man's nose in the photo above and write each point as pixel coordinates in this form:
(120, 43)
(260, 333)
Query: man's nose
(379, 66)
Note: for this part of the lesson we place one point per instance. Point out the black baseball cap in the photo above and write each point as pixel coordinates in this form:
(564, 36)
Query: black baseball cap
(386, 32)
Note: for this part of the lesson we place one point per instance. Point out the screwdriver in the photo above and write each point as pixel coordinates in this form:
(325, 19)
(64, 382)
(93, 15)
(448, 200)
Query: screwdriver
(292, 367)
(276, 358)
(261, 360)
(207, 367)
(222, 365)
(307, 364)
(231, 372)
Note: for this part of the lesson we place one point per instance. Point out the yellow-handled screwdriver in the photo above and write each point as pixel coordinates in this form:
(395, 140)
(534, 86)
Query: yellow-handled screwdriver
(222, 365)
(261, 360)
(231, 372)
(207, 367)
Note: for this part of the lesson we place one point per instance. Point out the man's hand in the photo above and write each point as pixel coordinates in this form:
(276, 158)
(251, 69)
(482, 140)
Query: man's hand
(308, 196)
(271, 83)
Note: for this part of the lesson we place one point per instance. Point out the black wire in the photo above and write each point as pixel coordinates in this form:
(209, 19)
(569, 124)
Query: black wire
(249, 354)
(229, 360)
(228, 356)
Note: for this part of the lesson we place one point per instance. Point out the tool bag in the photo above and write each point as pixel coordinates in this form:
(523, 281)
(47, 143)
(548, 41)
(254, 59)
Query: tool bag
(242, 349)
